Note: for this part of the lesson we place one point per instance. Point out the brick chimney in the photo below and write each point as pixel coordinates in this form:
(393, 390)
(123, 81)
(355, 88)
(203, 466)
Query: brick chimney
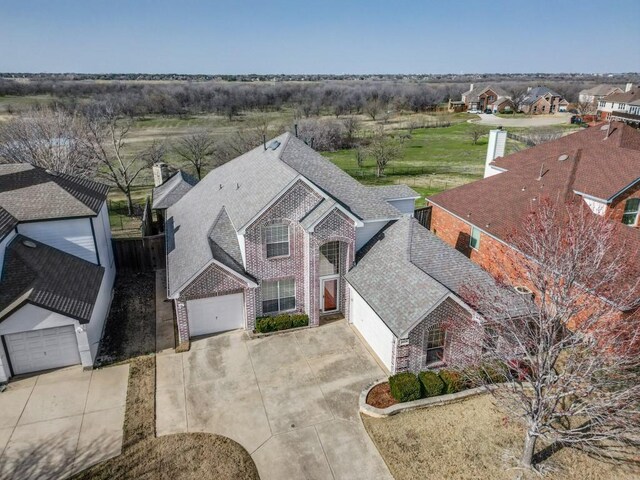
(495, 149)
(160, 173)
(471, 87)
(629, 87)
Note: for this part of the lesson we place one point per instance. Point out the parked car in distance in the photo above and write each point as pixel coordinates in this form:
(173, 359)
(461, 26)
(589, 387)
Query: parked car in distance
(474, 111)
(488, 110)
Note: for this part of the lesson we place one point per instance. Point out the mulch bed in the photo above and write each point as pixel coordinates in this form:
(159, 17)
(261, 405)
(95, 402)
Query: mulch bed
(380, 396)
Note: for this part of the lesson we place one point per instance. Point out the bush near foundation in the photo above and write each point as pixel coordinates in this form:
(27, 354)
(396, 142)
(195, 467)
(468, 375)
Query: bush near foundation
(281, 322)
(432, 384)
(405, 387)
(453, 381)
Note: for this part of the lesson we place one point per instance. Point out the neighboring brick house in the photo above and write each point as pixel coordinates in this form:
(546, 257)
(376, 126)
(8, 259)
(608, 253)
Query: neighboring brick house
(482, 97)
(277, 230)
(600, 165)
(542, 100)
(593, 95)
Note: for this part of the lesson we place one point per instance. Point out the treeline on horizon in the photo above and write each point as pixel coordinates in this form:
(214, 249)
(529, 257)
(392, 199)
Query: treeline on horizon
(142, 96)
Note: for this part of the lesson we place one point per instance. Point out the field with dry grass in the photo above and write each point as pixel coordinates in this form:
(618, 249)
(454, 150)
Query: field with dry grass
(474, 439)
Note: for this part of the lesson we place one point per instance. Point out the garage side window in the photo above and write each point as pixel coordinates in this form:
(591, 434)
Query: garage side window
(278, 296)
(277, 240)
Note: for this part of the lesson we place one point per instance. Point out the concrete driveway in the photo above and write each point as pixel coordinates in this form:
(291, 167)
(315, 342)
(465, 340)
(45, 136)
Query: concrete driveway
(291, 400)
(58, 423)
(532, 121)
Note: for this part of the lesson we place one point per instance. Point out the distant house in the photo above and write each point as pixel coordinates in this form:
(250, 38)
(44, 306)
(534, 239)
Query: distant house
(482, 97)
(620, 103)
(57, 269)
(542, 100)
(595, 94)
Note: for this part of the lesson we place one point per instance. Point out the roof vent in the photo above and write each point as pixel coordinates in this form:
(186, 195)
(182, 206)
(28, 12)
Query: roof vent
(275, 144)
(604, 127)
(29, 244)
(563, 157)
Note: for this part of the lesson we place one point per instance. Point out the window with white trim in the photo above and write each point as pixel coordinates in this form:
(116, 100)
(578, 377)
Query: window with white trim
(434, 339)
(474, 238)
(631, 208)
(278, 296)
(277, 240)
(330, 258)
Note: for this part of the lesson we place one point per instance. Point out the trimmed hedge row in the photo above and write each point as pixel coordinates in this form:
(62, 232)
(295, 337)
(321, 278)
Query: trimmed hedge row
(281, 322)
(407, 386)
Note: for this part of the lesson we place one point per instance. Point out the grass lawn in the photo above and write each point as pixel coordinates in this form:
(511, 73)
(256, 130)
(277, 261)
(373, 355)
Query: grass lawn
(187, 456)
(473, 439)
(433, 160)
(122, 225)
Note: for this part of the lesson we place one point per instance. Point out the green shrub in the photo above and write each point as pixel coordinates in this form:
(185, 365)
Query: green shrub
(281, 322)
(453, 381)
(494, 372)
(404, 387)
(432, 384)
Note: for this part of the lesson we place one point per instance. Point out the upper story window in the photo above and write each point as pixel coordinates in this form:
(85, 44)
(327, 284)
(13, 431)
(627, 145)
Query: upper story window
(277, 240)
(631, 208)
(330, 258)
(278, 296)
(434, 339)
(474, 238)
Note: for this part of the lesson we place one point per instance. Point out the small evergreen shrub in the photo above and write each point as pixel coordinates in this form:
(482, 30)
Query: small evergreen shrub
(432, 384)
(281, 322)
(405, 387)
(453, 381)
(494, 372)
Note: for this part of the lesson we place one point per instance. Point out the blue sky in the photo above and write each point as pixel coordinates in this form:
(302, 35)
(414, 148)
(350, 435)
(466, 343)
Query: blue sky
(347, 36)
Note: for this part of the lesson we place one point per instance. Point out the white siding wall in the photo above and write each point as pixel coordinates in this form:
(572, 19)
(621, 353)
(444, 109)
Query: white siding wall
(73, 236)
(596, 207)
(102, 231)
(3, 246)
(407, 206)
(95, 327)
(372, 328)
(365, 233)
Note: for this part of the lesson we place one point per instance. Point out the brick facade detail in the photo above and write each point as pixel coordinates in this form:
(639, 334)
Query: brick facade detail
(410, 353)
(615, 210)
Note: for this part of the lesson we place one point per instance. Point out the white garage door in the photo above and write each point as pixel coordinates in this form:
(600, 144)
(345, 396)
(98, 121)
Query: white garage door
(42, 349)
(215, 314)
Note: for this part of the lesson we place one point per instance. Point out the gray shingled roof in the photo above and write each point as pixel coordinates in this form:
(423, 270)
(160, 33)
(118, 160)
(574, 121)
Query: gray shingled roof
(322, 209)
(49, 278)
(474, 95)
(537, 92)
(32, 193)
(172, 190)
(246, 185)
(394, 192)
(406, 271)
(7, 223)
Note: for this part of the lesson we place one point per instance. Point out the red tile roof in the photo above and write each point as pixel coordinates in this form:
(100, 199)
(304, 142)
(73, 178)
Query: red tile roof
(597, 165)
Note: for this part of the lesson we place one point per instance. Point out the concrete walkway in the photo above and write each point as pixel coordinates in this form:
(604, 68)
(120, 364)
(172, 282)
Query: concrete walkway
(165, 333)
(291, 400)
(532, 121)
(58, 423)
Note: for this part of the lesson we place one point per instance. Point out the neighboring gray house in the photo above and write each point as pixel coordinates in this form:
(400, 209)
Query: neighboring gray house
(169, 188)
(276, 230)
(56, 269)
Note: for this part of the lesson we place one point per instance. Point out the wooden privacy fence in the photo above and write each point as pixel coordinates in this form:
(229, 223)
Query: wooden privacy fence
(423, 215)
(139, 254)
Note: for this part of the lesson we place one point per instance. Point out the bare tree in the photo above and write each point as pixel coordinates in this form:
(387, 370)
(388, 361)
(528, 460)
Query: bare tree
(197, 149)
(542, 135)
(476, 131)
(517, 94)
(49, 138)
(373, 108)
(351, 130)
(585, 108)
(361, 154)
(104, 138)
(570, 359)
(154, 153)
(383, 150)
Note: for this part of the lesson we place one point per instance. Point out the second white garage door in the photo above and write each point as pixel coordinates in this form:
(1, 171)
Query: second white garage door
(42, 349)
(215, 314)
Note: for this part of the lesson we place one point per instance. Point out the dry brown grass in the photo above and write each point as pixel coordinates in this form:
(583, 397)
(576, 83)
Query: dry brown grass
(473, 440)
(185, 456)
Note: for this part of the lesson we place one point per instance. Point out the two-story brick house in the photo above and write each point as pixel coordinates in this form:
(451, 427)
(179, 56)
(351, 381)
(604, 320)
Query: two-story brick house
(279, 228)
(483, 97)
(599, 166)
(56, 269)
(542, 100)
